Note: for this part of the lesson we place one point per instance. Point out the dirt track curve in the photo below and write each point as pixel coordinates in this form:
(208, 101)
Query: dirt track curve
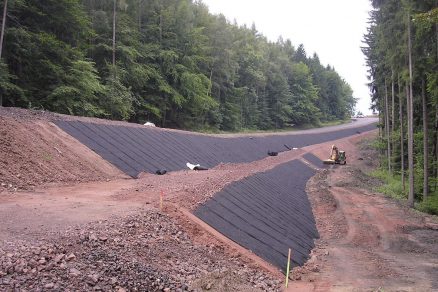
(368, 242)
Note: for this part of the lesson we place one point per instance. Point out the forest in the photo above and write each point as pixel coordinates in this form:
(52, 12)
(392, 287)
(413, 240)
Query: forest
(401, 48)
(170, 62)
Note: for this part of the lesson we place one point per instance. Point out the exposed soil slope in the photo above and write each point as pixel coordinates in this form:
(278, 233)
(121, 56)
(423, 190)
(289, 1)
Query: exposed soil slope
(38, 152)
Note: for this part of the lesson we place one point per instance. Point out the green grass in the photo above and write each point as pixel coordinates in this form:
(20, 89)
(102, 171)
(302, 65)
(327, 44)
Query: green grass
(393, 188)
(393, 185)
(430, 205)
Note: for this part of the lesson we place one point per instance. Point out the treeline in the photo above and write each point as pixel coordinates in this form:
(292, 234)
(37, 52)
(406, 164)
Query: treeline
(402, 54)
(166, 61)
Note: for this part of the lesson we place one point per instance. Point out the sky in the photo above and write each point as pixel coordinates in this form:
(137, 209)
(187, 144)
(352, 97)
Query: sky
(333, 29)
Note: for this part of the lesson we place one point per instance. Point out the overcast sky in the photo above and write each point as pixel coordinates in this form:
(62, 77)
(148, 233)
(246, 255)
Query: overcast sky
(333, 29)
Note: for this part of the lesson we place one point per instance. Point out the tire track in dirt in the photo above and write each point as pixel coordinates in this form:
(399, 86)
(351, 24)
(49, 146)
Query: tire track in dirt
(368, 242)
(375, 252)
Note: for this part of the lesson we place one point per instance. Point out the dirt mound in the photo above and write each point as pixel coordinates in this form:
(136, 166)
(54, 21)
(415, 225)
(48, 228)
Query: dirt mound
(356, 178)
(35, 152)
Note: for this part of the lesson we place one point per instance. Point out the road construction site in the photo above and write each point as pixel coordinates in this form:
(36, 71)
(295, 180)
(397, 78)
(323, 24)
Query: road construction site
(82, 208)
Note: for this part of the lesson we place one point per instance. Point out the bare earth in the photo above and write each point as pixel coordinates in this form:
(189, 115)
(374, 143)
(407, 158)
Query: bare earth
(63, 199)
(368, 242)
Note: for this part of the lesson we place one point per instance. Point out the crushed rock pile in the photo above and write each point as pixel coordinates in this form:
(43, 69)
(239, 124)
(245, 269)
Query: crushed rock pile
(144, 252)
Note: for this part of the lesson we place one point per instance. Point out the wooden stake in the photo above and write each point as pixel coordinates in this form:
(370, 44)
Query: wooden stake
(288, 268)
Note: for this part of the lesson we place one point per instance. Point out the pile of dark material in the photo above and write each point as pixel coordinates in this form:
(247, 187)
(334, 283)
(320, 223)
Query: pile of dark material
(267, 213)
(145, 252)
(136, 149)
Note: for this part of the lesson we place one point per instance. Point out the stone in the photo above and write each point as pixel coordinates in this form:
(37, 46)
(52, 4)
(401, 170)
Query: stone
(49, 286)
(18, 268)
(74, 272)
(94, 278)
(70, 257)
(103, 238)
(42, 261)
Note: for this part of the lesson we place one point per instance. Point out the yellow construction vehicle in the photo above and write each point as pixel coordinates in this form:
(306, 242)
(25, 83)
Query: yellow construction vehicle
(336, 157)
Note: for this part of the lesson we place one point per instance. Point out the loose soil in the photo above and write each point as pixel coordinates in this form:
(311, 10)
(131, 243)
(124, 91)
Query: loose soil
(71, 221)
(368, 242)
(34, 153)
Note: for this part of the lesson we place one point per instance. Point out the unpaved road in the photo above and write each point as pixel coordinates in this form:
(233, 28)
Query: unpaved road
(368, 242)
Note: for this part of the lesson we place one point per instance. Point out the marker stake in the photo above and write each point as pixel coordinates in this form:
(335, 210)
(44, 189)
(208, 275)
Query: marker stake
(288, 268)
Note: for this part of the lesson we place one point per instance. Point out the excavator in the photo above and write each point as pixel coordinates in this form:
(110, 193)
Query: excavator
(336, 157)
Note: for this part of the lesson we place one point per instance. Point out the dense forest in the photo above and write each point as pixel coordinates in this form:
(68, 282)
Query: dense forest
(166, 61)
(402, 55)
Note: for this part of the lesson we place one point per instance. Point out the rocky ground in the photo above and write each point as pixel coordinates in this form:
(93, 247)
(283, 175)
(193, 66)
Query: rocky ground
(144, 252)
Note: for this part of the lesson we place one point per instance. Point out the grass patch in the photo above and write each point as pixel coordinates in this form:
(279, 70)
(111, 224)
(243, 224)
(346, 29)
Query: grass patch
(393, 188)
(393, 185)
(430, 205)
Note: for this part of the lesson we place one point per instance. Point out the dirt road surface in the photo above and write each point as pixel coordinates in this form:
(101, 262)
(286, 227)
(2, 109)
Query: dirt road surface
(368, 242)
(89, 227)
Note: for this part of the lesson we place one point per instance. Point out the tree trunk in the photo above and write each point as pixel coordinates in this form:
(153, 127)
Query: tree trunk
(410, 149)
(2, 35)
(380, 124)
(392, 103)
(392, 111)
(402, 150)
(436, 118)
(411, 195)
(210, 85)
(387, 129)
(425, 143)
(92, 9)
(435, 147)
(436, 121)
(114, 36)
(140, 2)
(5, 9)
(160, 28)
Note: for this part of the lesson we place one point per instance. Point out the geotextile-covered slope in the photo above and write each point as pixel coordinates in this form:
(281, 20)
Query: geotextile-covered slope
(136, 149)
(267, 213)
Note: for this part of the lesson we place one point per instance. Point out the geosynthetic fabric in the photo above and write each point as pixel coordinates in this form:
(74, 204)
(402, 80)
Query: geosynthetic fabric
(267, 213)
(135, 149)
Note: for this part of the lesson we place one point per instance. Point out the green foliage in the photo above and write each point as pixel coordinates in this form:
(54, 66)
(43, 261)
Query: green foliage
(430, 205)
(9, 90)
(80, 93)
(392, 187)
(117, 101)
(176, 65)
(387, 53)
